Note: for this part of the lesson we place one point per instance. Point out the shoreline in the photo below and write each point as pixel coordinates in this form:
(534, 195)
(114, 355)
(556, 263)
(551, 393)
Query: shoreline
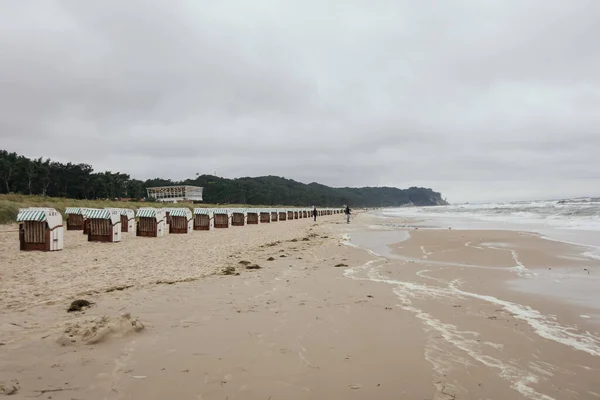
(538, 258)
(588, 239)
(548, 318)
(320, 318)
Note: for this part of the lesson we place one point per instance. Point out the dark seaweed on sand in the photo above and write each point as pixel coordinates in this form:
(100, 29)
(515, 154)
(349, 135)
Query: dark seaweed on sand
(78, 305)
(229, 271)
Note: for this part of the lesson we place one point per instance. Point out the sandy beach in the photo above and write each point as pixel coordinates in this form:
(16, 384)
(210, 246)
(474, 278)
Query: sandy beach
(376, 309)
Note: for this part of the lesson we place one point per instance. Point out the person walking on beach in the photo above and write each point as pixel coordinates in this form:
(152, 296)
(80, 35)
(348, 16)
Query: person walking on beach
(315, 213)
(347, 212)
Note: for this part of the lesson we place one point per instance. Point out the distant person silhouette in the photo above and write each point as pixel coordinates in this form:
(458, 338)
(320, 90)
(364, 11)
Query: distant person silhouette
(315, 212)
(347, 212)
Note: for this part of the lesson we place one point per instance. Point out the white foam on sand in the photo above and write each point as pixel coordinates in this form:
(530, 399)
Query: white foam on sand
(426, 253)
(378, 246)
(594, 255)
(495, 245)
(519, 267)
(521, 270)
(543, 325)
(465, 341)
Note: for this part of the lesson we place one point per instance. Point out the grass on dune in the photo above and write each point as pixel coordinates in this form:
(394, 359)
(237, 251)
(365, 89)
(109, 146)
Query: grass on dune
(10, 204)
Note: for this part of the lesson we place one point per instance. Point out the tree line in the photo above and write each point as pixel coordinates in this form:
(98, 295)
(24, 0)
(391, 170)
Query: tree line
(19, 174)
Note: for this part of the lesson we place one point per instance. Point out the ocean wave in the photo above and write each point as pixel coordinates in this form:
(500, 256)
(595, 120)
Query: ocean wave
(594, 255)
(580, 213)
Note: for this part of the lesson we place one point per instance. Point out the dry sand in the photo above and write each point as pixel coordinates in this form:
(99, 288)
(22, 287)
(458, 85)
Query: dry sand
(38, 278)
(434, 318)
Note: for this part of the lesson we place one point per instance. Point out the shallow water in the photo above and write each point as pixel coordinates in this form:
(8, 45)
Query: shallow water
(379, 242)
(570, 285)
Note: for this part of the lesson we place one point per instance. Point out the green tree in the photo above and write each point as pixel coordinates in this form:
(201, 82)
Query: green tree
(45, 177)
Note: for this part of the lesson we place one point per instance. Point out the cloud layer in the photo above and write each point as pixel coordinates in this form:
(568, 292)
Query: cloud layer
(479, 100)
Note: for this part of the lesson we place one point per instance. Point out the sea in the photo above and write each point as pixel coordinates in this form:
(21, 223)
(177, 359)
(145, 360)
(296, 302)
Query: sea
(574, 220)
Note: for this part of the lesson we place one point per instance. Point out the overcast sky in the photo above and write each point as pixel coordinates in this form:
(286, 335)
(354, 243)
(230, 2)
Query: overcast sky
(481, 100)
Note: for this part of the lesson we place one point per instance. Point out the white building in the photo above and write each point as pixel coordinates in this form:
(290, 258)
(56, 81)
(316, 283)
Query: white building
(173, 194)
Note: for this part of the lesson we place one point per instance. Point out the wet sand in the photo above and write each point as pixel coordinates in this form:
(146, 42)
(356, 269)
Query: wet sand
(457, 283)
(428, 319)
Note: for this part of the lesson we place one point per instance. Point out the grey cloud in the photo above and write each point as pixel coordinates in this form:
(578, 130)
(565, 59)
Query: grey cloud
(457, 96)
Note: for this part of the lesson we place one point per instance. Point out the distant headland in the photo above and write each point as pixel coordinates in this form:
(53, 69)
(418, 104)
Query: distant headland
(19, 174)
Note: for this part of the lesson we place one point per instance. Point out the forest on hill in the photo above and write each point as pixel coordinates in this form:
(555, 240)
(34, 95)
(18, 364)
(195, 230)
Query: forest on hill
(19, 174)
